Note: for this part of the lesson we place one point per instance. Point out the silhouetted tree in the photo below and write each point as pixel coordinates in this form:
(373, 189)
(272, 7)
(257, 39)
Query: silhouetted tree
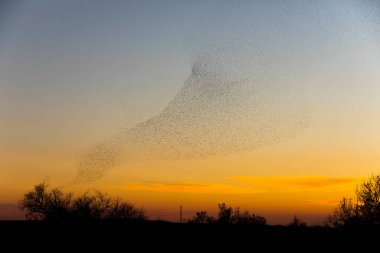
(102, 205)
(258, 220)
(297, 222)
(364, 209)
(246, 218)
(121, 210)
(225, 214)
(84, 207)
(368, 200)
(202, 217)
(228, 215)
(56, 205)
(345, 213)
(35, 202)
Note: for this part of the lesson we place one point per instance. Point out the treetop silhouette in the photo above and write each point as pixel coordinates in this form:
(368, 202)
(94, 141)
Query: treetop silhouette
(41, 204)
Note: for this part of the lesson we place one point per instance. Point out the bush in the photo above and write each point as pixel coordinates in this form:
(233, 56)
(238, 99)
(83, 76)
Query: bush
(229, 215)
(202, 218)
(297, 222)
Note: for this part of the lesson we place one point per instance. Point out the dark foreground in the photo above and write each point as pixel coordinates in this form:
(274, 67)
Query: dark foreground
(140, 237)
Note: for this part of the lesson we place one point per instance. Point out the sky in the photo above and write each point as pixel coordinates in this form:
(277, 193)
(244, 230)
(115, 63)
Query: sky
(273, 106)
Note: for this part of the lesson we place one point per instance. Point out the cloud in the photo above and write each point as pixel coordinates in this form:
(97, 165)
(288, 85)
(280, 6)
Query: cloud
(191, 188)
(297, 182)
(323, 202)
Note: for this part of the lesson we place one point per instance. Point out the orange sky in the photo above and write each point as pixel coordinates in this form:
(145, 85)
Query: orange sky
(277, 182)
(306, 175)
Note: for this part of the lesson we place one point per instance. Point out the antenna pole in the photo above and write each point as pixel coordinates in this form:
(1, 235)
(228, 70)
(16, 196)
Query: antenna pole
(180, 214)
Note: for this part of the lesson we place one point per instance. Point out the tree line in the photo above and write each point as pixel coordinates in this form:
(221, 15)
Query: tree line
(41, 204)
(228, 215)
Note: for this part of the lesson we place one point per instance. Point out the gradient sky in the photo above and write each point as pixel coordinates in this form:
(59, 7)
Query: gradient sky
(74, 73)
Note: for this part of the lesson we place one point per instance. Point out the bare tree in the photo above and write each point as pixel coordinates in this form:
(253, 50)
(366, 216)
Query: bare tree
(35, 202)
(364, 209)
(368, 200)
(121, 210)
(56, 205)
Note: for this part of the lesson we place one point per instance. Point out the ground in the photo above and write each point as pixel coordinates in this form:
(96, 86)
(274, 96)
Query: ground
(180, 237)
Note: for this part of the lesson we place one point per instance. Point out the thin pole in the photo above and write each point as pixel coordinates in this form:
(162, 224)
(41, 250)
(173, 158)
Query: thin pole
(180, 214)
